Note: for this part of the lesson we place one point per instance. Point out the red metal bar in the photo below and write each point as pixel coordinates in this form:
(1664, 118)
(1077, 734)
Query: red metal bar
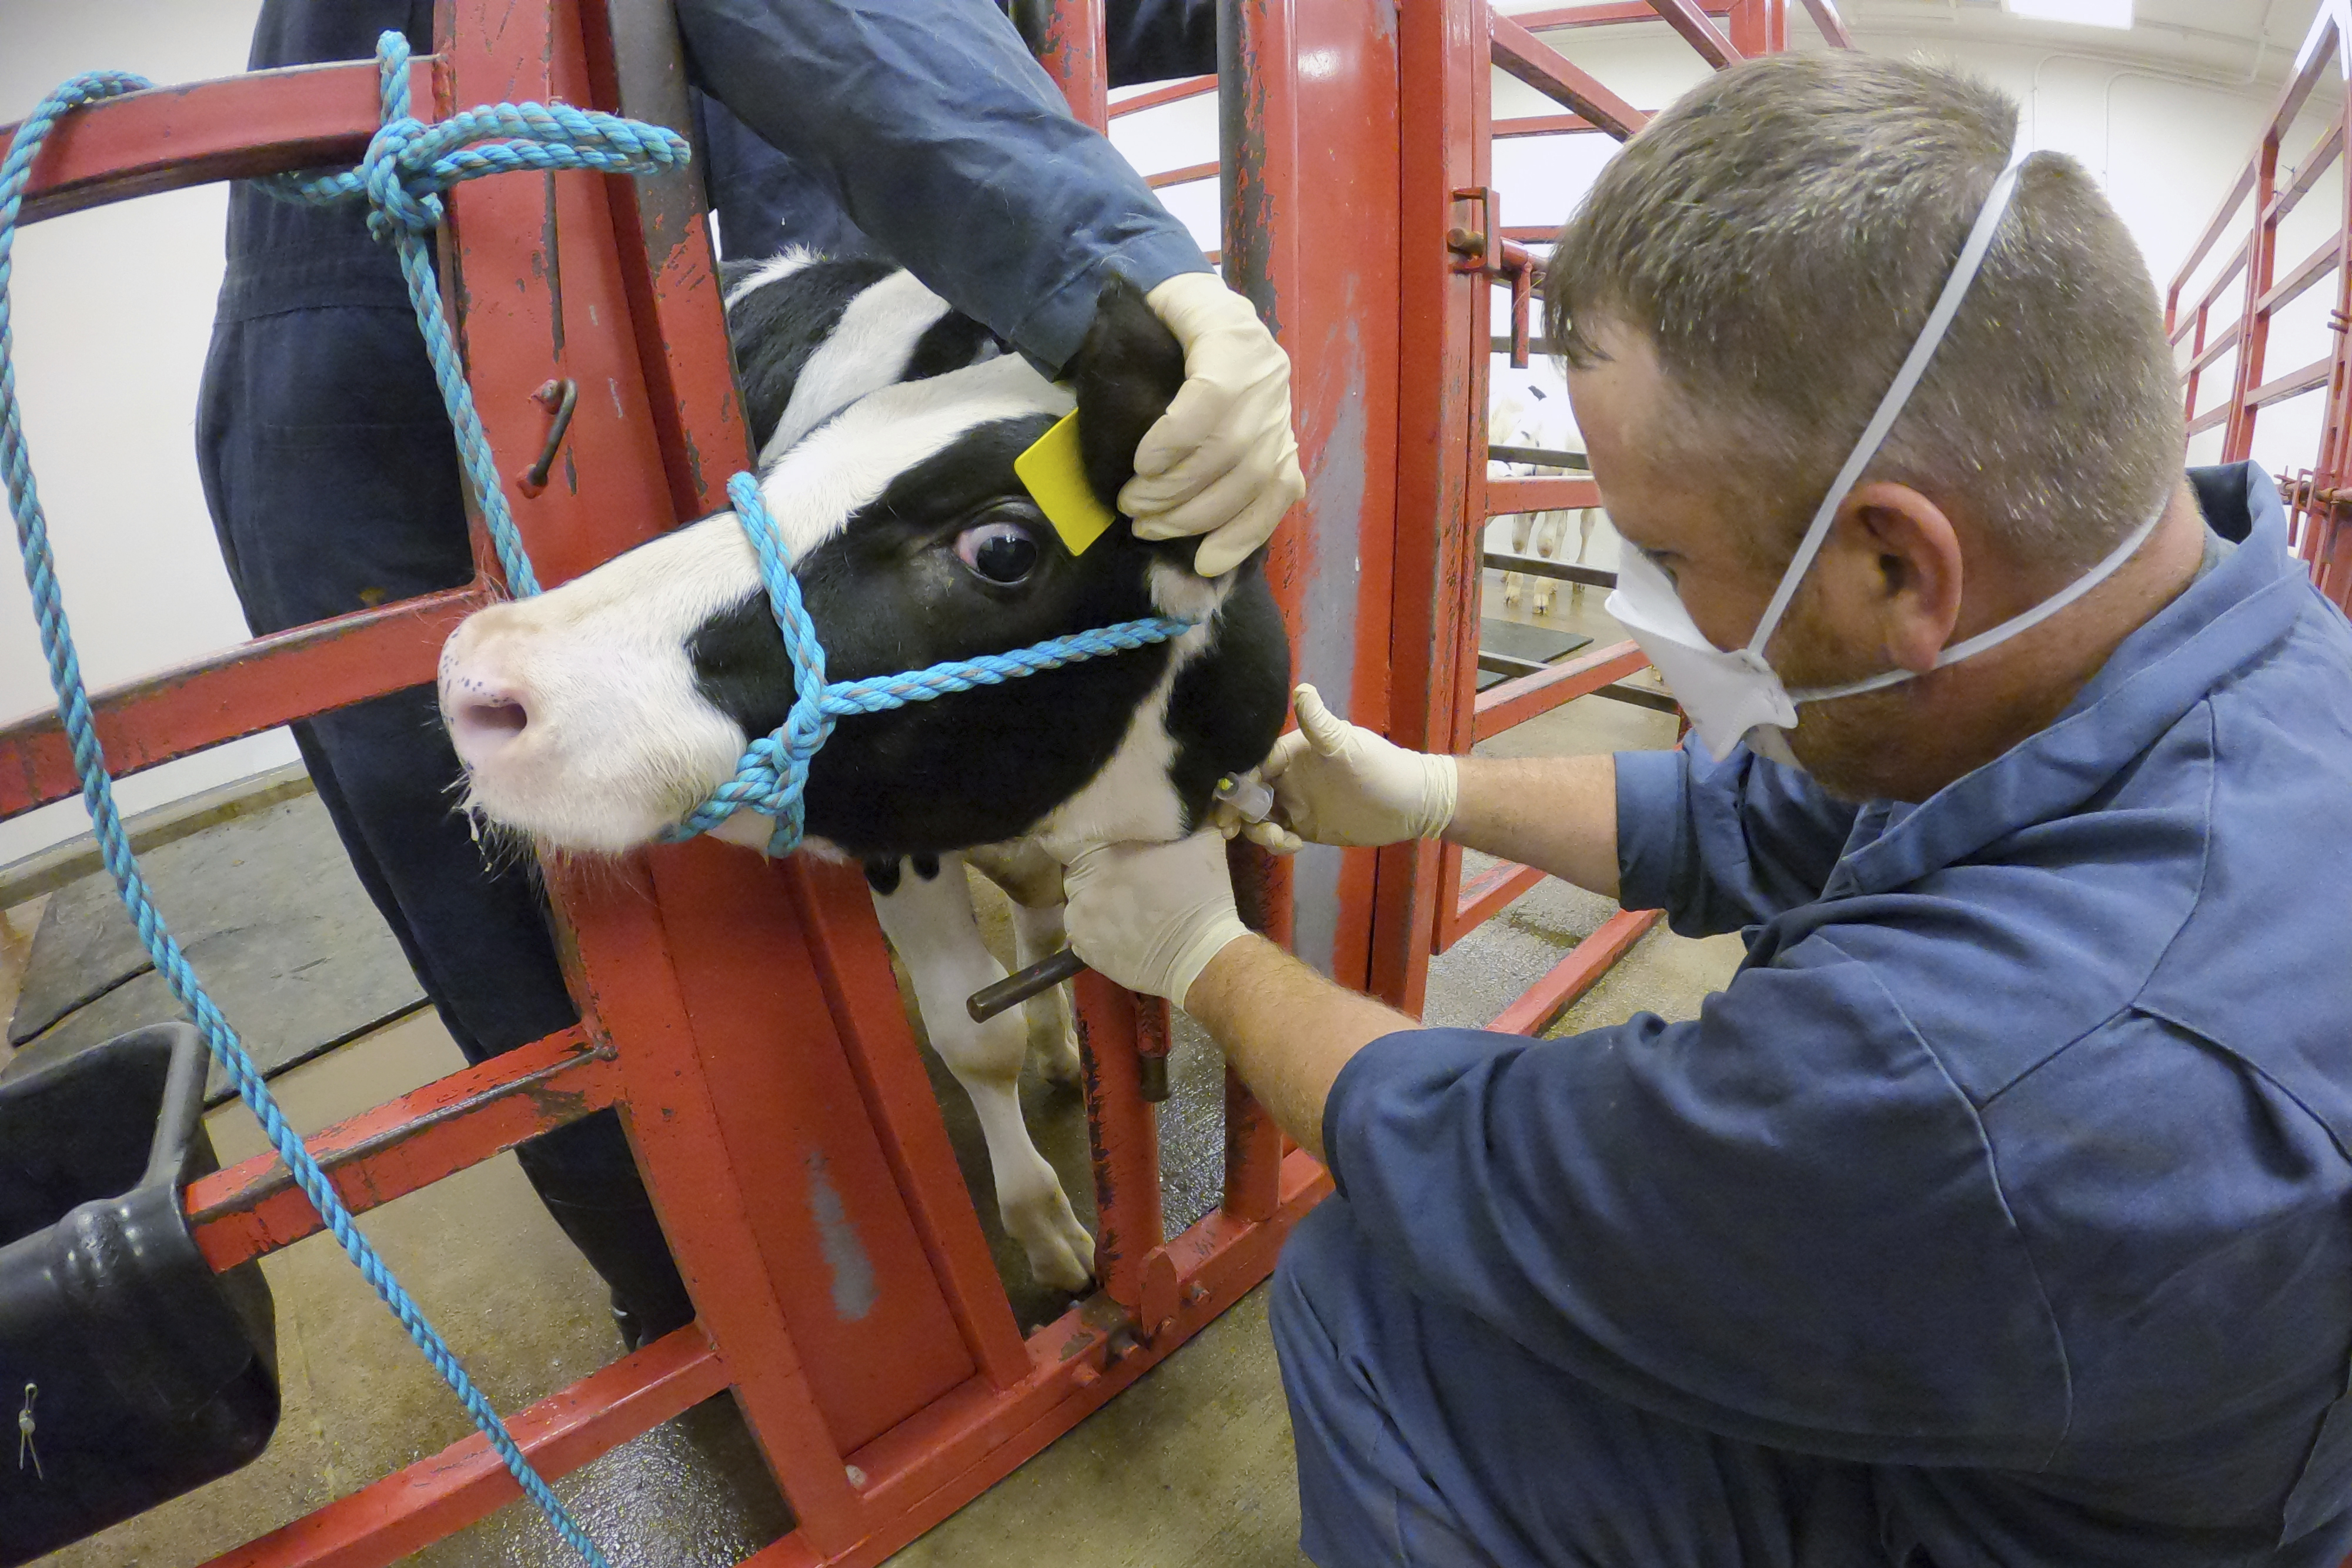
(2214, 349)
(1484, 899)
(241, 691)
(2253, 334)
(2293, 383)
(436, 1497)
(1760, 26)
(254, 1208)
(2308, 271)
(1576, 974)
(1514, 702)
(1539, 125)
(1445, 65)
(1605, 14)
(1172, 92)
(1825, 16)
(1543, 493)
(1525, 58)
(669, 273)
(1073, 57)
(2308, 172)
(1687, 18)
(1125, 1137)
(1331, 565)
(1186, 175)
(238, 128)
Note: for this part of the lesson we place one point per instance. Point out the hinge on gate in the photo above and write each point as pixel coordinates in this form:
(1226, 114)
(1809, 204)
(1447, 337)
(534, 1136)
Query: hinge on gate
(1472, 242)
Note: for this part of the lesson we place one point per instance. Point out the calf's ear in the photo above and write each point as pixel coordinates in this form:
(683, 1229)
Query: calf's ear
(1126, 374)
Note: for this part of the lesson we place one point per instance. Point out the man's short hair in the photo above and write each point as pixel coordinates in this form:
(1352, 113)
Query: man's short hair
(1781, 232)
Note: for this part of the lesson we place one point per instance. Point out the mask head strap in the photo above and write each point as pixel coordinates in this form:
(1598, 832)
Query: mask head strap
(1890, 407)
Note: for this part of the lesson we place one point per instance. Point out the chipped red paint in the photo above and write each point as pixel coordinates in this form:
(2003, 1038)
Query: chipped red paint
(254, 1208)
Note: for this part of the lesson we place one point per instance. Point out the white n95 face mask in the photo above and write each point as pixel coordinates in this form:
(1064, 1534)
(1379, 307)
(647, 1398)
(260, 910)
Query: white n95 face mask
(1735, 694)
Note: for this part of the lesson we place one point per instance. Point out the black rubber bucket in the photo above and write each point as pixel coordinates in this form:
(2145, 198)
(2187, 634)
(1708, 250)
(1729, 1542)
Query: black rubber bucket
(149, 1374)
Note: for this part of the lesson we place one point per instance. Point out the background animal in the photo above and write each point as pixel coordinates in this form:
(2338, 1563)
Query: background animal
(591, 717)
(1545, 422)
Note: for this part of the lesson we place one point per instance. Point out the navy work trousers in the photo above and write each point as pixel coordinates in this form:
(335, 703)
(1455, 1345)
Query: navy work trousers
(332, 476)
(1427, 1437)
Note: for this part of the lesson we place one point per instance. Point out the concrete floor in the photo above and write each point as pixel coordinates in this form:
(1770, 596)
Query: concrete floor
(1193, 1466)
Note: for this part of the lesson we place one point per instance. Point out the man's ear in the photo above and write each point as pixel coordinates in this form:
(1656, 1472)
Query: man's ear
(1126, 374)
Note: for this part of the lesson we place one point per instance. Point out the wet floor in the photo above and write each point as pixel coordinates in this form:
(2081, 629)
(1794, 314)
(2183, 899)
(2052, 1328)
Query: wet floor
(1191, 1466)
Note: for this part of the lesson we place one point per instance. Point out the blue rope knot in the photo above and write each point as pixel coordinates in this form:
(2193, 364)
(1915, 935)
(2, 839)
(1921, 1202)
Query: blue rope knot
(772, 777)
(408, 164)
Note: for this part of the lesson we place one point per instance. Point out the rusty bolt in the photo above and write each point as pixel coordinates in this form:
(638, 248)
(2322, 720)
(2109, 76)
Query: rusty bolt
(1466, 242)
(1086, 1375)
(1195, 1293)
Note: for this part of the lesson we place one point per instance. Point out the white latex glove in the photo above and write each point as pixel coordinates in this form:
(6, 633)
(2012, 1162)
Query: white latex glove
(1221, 461)
(1339, 783)
(1151, 916)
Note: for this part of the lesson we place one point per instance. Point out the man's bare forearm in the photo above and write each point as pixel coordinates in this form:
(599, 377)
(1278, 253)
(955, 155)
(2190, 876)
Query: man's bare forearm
(1286, 1029)
(1556, 812)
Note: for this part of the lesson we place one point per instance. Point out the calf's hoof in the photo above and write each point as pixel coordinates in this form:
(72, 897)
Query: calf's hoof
(1061, 1254)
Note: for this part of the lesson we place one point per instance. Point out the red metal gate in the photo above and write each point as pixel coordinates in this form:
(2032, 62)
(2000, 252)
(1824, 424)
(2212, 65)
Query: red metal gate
(2262, 199)
(1456, 255)
(692, 962)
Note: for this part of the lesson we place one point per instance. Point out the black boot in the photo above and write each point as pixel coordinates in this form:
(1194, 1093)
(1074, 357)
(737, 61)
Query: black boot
(601, 1206)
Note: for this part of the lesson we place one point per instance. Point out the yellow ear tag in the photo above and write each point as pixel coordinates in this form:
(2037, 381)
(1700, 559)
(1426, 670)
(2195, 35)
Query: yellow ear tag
(1056, 479)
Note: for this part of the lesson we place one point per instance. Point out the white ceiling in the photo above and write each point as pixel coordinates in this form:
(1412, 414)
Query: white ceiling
(2225, 40)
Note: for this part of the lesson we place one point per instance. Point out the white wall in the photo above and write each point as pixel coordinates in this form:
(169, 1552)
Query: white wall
(112, 309)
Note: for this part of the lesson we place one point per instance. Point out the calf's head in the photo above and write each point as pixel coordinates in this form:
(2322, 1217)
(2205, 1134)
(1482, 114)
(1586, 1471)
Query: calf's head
(599, 713)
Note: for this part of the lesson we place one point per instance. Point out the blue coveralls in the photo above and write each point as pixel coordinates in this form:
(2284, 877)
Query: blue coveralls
(1998, 1211)
(332, 477)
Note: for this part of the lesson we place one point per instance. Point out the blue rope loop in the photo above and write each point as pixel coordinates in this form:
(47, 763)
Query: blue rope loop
(406, 168)
(771, 778)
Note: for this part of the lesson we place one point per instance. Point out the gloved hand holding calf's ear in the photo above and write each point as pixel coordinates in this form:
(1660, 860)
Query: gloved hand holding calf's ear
(1222, 461)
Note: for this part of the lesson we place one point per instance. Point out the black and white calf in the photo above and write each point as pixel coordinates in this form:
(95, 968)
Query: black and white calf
(599, 713)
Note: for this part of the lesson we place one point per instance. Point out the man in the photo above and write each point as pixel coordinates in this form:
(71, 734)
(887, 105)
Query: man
(331, 474)
(1996, 1211)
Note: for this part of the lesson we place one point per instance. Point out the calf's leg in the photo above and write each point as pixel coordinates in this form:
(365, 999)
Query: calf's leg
(928, 920)
(1032, 881)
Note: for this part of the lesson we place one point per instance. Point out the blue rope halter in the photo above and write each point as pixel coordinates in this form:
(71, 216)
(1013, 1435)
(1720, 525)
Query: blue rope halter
(772, 776)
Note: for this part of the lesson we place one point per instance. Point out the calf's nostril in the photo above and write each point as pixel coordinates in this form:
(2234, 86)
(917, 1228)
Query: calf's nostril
(483, 724)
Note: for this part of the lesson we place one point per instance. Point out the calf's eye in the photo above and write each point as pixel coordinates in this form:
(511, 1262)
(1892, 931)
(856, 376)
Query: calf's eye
(1004, 553)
